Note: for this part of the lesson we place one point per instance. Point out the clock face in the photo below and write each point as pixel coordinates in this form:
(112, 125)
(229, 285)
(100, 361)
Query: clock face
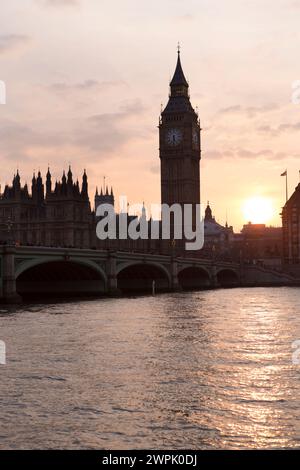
(174, 137)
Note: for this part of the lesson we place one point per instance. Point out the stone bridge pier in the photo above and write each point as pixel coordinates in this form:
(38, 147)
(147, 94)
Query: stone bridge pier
(8, 290)
(112, 277)
(175, 286)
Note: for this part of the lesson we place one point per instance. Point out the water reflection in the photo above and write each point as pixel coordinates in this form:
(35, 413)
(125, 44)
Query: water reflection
(203, 370)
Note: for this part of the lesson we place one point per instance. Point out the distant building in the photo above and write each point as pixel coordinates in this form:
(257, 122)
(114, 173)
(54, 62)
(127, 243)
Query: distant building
(218, 239)
(291, 232)
(255, 244)
(259, 244)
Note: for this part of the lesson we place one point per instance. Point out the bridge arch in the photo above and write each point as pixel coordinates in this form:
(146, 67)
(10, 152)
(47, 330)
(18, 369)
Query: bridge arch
(60, 277)
(138, 276)
(194, 277)
(227, 277)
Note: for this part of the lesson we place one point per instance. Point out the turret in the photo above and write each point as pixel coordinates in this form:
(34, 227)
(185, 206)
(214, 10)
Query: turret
(70, 176)
(48, 183)
(33, 187)
(105, 197)
(16, 186)
(77, 188)
(26, 190)
(64, 183)
(84, 187)
(40, 188)
(16, 182)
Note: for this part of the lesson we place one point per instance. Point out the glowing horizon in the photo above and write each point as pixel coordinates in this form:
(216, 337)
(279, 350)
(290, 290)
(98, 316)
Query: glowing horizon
(258, 210)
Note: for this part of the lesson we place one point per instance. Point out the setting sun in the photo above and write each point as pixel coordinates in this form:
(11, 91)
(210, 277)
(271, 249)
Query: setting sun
(258, 210)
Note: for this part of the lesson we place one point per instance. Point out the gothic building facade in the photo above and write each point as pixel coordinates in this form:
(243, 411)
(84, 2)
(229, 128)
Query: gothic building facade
(58, 215)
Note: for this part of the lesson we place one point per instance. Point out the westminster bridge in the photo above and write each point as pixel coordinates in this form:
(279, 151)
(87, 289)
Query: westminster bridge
(33, 271)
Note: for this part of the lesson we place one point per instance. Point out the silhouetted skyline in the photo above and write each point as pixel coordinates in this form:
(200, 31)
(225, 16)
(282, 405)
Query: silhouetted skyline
(85, 87)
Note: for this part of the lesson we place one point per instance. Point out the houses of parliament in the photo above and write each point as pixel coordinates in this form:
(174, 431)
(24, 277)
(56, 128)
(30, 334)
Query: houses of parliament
(48, 215)
(60, 214)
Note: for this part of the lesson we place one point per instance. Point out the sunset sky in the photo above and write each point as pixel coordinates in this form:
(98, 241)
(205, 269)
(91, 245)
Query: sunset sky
(86, 78)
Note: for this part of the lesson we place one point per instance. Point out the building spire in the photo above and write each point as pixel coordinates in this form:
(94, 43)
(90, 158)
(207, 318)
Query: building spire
(48, 182)
(70, 176)
(178, 77)
(84, 186)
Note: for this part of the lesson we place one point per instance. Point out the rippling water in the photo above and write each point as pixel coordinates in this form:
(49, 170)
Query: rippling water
(208, 369)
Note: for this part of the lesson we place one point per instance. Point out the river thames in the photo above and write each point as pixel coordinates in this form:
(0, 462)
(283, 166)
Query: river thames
(202, 370)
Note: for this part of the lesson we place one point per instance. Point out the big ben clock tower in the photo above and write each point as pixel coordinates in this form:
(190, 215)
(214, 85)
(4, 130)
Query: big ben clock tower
(179, 145)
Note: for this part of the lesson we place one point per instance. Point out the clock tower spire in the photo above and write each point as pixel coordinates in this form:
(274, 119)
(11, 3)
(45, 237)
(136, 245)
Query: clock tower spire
(179, 84)
(179, 145)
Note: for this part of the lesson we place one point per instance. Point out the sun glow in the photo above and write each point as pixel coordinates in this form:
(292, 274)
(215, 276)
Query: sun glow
(258, 210)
